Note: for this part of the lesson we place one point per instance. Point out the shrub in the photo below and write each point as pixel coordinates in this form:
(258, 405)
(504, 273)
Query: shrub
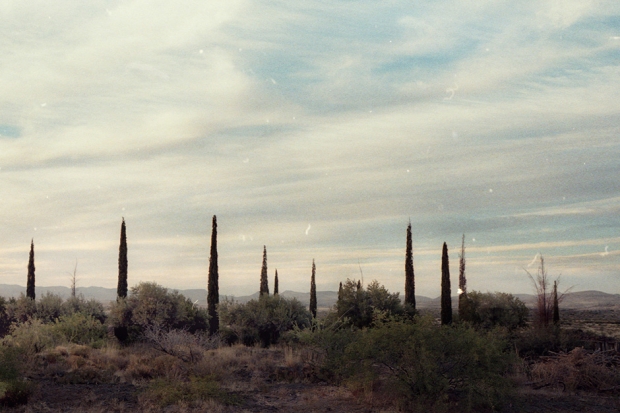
(80, 305)
(150, 304)
(13, 390)
(421, 362)
(80, 328)
(357, 304)
(21, 309)
(488, 310)
(49, 307)
(264, 320)
(32, 337)
(5, 320)
(167, 392)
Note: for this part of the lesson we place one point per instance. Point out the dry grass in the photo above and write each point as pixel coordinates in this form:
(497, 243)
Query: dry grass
(579, 370)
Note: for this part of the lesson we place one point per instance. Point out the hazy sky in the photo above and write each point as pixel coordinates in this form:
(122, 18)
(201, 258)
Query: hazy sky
(317, 129)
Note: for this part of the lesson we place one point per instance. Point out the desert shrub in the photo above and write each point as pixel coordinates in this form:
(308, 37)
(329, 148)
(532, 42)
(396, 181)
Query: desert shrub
(181, 343)
(578, 369)
(488, 310)
(166, 392)
(80, 305)
(21, 309)
(150, 304)
(420, 362)
(80, 328)
(49, 307)
(32, 337)
(5, 320)
(263, 320)
(357, 305)
(13, 389)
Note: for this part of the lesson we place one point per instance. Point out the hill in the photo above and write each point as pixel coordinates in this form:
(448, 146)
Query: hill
(581, 300)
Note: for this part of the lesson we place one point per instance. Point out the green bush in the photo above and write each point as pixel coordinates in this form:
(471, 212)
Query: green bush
(21, 309)
(418, 363)
(357, 305)
(167, 392)
(49, 307)
(5, 320)
(79, 328)
(79, 304)
(32, 337)
(13, 389)
(150, 304)
(489, 310)
(263, 320)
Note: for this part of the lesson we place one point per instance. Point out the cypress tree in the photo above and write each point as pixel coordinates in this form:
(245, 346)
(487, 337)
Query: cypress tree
(446, 300)
(409, 277)
(30, 281)
(340, 291)
(213, 294)
(264, 285)
(556, 305)
(275, 285)
(462, 282)
(313, 291)
(121, 290)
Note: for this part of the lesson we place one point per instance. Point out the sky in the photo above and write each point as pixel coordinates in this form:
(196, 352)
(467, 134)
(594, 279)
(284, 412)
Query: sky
(316, 128)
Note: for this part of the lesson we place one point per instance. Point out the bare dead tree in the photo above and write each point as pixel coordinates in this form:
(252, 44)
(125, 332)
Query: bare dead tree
(547, 298)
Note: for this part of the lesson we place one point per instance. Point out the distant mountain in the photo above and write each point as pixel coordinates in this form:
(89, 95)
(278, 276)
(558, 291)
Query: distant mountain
(582, 300)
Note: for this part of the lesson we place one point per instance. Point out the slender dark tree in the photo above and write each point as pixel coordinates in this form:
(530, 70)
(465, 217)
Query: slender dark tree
(446, 300)
(340, 292)
(121, 290)
(264, 284)
(462, 282)
(409, 277)
(556, 304)
(213, 294)
(275, 285)
(74, 280)
(313, 291)
(30, 281)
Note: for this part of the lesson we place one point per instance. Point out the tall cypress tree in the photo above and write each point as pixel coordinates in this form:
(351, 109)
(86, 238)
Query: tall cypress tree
(446, 300)
(463, 308)
(121, 290)
(556, 304)
(213, 294)
(313, 291)
(30, 281)
(340, 291)
(409, 277)
(264, 283)
(275, 285)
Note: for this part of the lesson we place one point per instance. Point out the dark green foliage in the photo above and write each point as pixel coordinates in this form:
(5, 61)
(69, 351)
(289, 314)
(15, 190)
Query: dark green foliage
(166, 392)
(446, 299)
(264, 283)
(409, 276)
(30, 281)
(150, 304)
(356, 305)
(265, 320)
(488, 310)
(80, 305)
(313, 291)
(340, 291)
(121, 290)
(429, 364)
(276, 290)
(5, 320)
(213, 295)
(463, 304)
(13, 389)
(556, 304)
(21, 309)
(49, 307)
